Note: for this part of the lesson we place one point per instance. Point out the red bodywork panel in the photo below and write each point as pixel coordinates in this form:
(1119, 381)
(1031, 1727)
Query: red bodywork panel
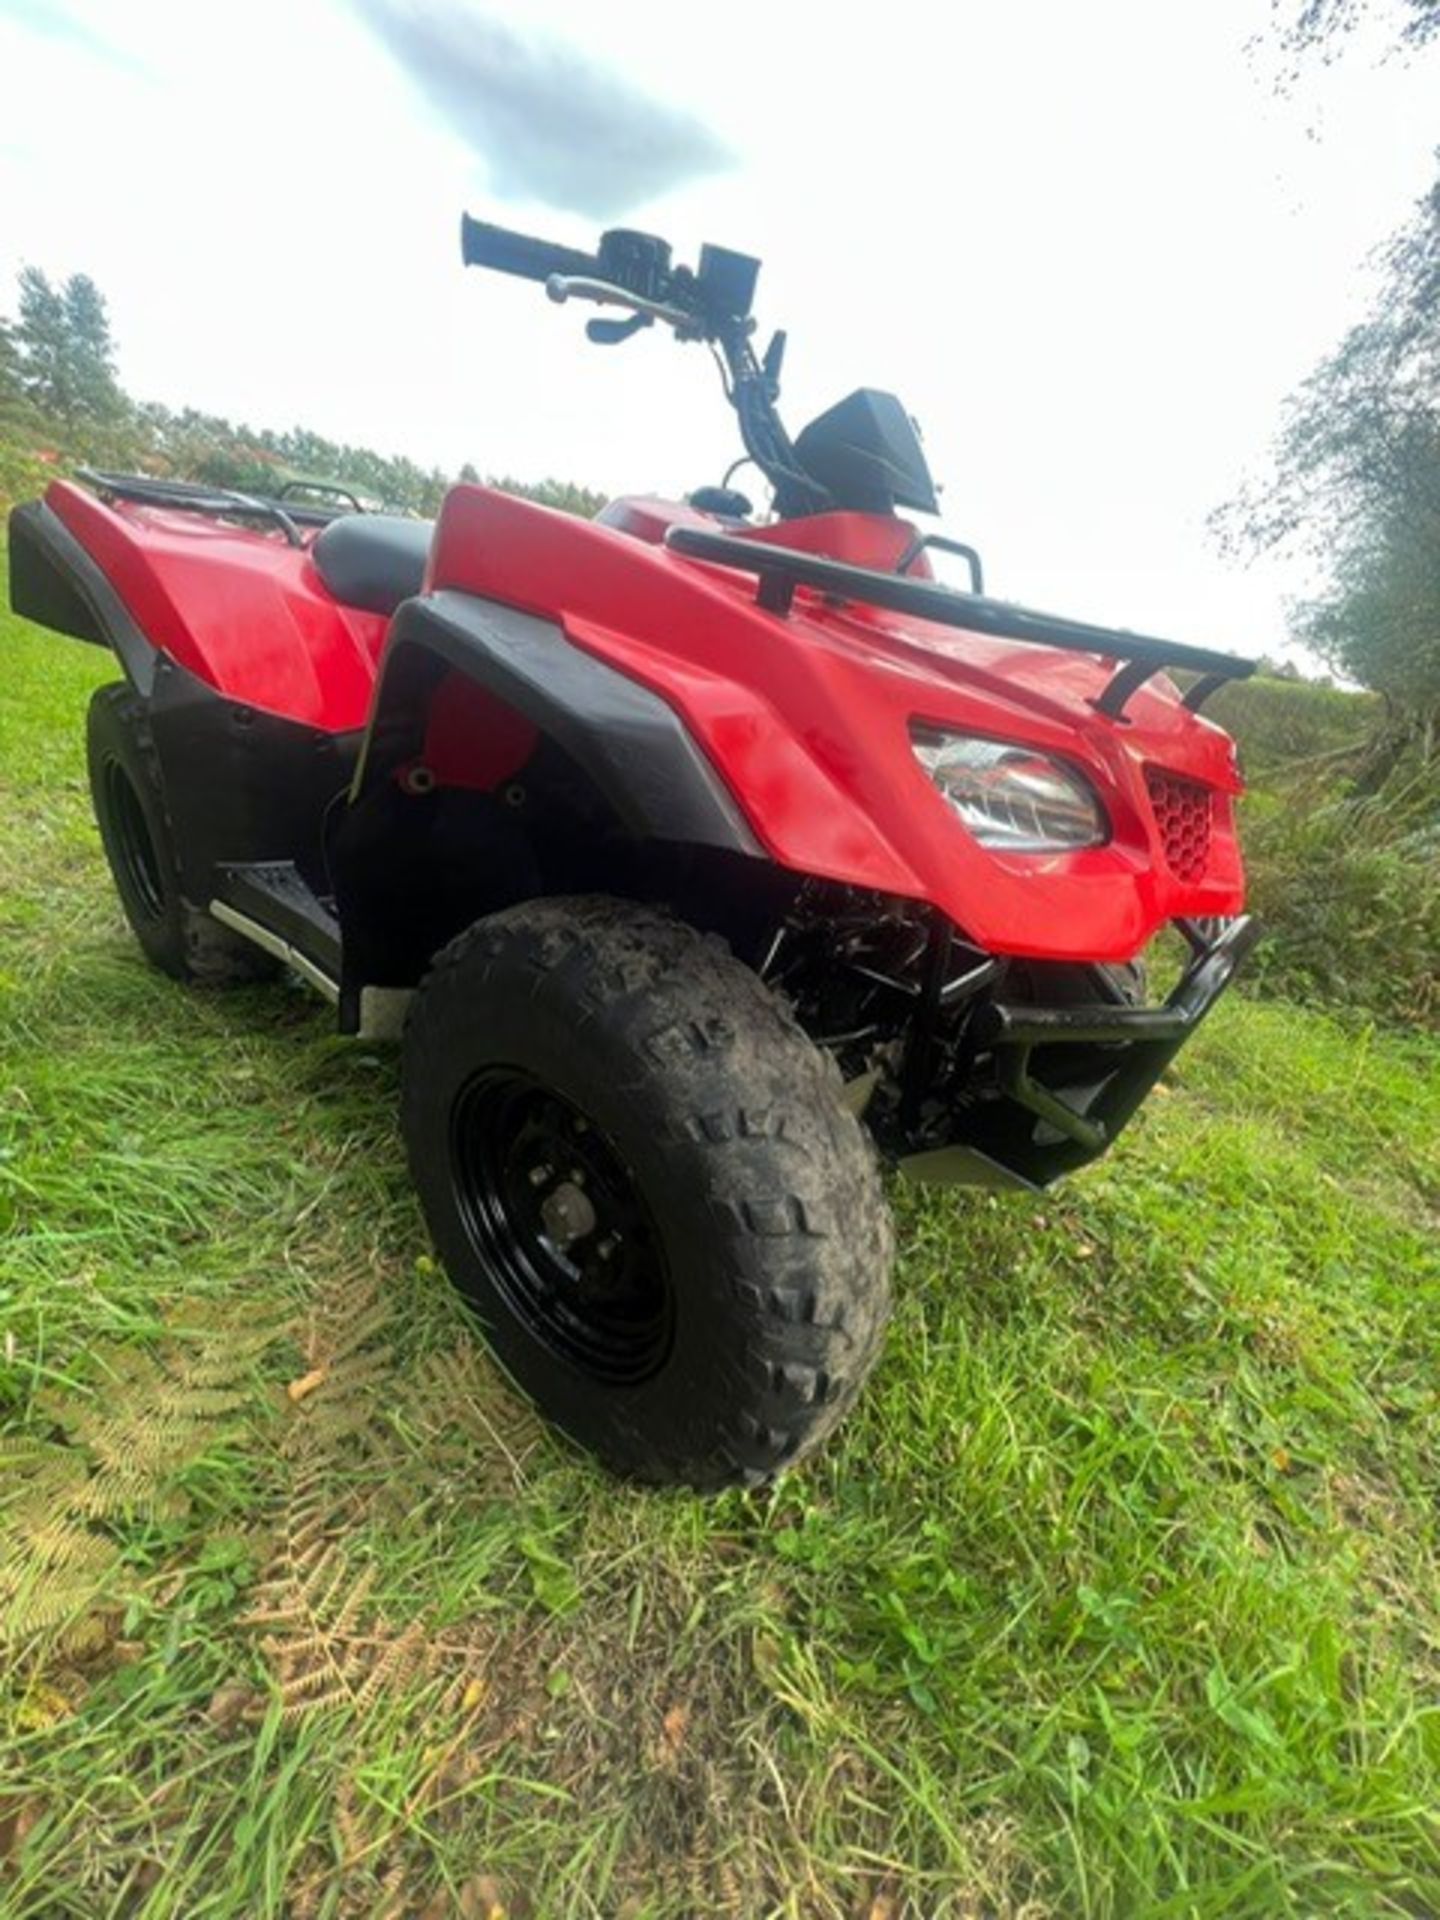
(805, 716)
(243, 610)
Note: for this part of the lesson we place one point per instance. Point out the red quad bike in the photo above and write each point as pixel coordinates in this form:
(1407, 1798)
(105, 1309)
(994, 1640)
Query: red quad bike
(707, 861)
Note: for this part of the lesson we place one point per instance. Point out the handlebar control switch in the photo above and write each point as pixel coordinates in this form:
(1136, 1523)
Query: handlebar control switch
(639, 262)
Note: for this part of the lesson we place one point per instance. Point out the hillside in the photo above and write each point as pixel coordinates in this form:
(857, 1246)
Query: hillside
(1118, 1597)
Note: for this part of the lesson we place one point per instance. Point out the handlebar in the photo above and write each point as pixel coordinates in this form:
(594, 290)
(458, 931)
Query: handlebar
(711, 301)
(482, 245)
(627, 269)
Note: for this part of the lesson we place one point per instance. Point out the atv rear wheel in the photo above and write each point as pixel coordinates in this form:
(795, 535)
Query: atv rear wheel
(128, 792)
(643, 1177)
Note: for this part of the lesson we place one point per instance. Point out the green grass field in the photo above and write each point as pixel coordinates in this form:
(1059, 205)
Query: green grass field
(1119, 1596)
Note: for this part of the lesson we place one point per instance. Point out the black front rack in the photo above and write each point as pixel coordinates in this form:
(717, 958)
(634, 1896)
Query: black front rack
(781, 570)
(221, 503)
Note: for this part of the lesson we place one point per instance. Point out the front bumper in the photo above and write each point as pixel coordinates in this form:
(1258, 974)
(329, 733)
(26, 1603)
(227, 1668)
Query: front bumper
(1066, 1079)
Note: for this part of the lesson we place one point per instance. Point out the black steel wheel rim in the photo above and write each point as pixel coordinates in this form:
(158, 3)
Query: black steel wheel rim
(139, 868)
(561, 1225)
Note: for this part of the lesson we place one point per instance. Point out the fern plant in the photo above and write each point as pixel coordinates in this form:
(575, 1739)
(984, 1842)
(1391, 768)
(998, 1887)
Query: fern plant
(350, 1362)
(328, 1642)
(128, 1441)
(51, 1565)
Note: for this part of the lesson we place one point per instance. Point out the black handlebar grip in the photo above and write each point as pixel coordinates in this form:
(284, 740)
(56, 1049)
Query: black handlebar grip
(482, 245)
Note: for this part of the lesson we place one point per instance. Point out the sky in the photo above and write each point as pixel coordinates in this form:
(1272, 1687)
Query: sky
(1090, 246)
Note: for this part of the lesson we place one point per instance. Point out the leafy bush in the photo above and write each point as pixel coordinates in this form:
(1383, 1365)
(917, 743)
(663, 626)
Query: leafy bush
(23, 474)
(1349, 891)
(1348, 885)
(1280, 725)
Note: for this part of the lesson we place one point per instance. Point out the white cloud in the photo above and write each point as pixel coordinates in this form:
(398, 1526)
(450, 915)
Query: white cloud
(550, 125)
(1087, 245)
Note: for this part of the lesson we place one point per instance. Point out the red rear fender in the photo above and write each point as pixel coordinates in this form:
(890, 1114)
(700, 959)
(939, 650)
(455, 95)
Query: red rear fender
(241, 609)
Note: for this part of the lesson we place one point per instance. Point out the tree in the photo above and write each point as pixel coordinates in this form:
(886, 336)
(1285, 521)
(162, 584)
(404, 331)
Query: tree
(9, 362)
(564, 494)
(43, 335)
(1355, 476)
(67, 363)
(1381, 621)
(13, 405)
(96, 392)
(1322, 26)
(57, 379)
(1355, 485)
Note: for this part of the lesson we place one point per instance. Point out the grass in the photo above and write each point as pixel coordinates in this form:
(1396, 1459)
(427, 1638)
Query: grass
(1118, 1596)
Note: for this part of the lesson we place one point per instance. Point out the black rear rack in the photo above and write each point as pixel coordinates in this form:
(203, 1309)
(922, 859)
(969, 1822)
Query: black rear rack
(222, 503)
(782, 569)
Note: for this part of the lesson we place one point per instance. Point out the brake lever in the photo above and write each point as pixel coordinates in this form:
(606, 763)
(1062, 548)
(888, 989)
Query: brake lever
(609, 333)
(565, 286)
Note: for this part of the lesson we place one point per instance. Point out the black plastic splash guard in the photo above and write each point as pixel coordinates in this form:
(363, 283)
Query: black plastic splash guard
(781, 569)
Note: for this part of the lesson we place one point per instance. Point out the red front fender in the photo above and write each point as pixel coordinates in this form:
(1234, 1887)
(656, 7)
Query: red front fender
(807, 718)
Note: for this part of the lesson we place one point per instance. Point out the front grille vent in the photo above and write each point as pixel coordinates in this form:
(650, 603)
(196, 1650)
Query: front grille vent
(1183, 812)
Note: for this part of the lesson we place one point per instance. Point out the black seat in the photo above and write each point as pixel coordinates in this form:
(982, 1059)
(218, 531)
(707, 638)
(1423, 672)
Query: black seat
(373, 560)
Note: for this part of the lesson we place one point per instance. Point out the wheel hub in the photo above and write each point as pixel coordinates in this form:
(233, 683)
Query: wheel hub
(567, 1214)
(560, 1221)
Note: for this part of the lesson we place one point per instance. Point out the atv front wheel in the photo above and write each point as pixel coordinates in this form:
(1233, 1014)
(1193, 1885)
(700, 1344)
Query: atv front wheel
(642, 1175)
(128, 792)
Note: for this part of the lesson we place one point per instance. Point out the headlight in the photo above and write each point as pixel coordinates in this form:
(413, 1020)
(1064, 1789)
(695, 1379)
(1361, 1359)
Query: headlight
(1011, 798)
